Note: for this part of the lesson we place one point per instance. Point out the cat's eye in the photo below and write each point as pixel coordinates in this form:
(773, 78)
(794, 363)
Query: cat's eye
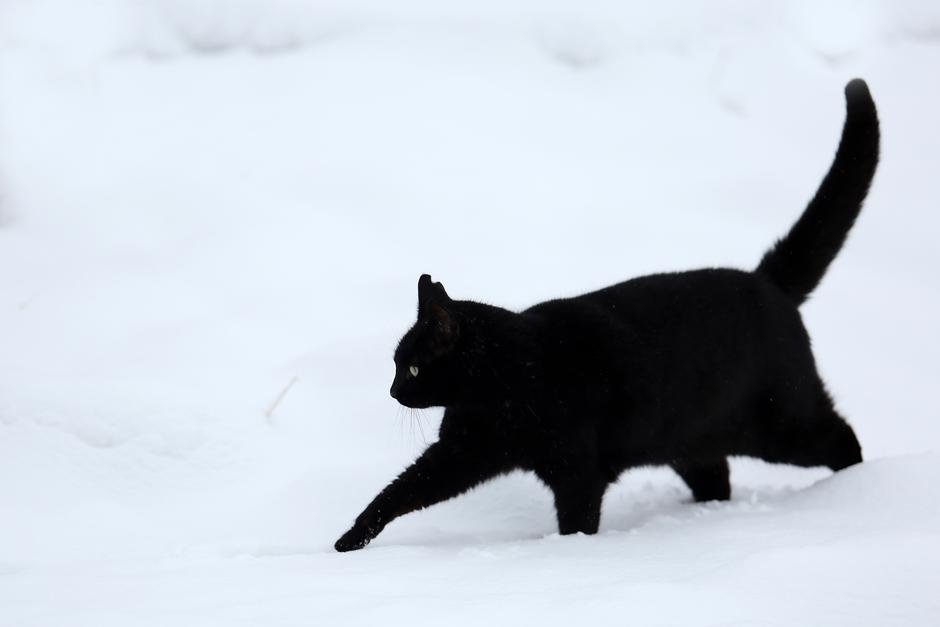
(413, 370)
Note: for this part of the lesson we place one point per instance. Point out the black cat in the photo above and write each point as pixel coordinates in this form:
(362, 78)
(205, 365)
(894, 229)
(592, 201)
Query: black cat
(679, 369)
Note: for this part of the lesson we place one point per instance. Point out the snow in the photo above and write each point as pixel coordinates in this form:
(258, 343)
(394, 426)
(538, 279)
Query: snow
(201, 201)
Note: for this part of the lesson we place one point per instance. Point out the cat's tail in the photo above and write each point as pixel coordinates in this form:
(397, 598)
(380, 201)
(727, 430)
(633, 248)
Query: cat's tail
(798, 261)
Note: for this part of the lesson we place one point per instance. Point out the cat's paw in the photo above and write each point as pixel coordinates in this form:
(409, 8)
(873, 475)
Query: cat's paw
(354, 539)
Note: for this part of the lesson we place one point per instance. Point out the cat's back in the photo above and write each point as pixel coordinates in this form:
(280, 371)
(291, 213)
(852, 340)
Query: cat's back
(713, 309)
(706, 294)
(658, 293)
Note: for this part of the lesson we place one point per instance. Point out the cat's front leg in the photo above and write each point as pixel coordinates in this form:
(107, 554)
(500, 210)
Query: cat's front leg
(443, 471)
(578, 504)
(359, 535)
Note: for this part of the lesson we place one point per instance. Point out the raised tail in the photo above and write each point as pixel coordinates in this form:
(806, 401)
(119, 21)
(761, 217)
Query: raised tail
(798, 261)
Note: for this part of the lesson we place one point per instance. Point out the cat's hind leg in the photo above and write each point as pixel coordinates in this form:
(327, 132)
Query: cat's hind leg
(838, 445)
(708, 479)
(824, 439)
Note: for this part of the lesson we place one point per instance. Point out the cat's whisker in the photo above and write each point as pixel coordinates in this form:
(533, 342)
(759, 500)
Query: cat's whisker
(401, 424)
(420, 416)
(403, 419)
(411, 422)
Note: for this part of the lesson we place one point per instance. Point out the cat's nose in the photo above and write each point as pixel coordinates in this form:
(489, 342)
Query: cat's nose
(394, 390)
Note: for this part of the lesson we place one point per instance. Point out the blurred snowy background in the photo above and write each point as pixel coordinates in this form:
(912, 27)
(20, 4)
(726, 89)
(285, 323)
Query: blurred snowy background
(202, 202)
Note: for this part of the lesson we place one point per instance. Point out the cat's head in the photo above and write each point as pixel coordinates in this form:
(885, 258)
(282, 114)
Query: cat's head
(430, 361)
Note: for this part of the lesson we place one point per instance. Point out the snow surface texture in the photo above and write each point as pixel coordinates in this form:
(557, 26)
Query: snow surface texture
(201, 201)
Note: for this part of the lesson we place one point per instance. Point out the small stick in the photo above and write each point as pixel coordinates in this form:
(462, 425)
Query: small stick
(26, 303)
(280, 397)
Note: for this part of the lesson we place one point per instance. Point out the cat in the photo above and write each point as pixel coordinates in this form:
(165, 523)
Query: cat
(680, 369)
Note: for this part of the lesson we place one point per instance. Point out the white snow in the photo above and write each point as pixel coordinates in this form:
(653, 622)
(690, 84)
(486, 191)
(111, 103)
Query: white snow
(201, 201)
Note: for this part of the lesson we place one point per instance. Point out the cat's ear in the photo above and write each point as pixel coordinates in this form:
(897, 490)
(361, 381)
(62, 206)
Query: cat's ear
(429, 292)
(436, 308)
(425, 287)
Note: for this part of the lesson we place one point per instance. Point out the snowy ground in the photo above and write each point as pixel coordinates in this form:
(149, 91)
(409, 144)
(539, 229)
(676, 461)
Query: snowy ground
(202, 201)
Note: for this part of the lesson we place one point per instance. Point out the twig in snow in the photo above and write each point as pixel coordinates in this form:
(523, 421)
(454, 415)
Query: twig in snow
(280, 397)
(24, 304)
